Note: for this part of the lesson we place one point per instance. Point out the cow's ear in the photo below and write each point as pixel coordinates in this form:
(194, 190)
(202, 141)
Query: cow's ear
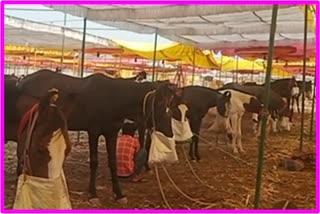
(227, 94)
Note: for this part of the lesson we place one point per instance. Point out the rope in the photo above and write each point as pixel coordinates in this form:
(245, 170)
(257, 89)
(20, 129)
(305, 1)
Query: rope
(144, 106)
(145, 100)
(193, 172)
(26, 163)
(200, 180)
(161, 189)
(184, 194)
(224, 151)
(285, 205)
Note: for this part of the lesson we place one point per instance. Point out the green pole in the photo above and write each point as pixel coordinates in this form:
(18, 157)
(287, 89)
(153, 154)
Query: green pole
(266, 102)
(154, 55)
(221, 64)
(312, 110)
(252, 71)
(82, 57)
(304, 73)
(63, 40)
(194, 65)
(237, 68)
(83, 46)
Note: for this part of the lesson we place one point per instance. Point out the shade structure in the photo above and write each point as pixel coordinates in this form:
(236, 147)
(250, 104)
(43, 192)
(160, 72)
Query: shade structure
(35, 34)
(210, 26)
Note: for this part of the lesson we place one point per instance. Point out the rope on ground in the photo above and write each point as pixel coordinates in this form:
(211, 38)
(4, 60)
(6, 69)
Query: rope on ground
(224, 151)
(285, 205)
(192, 170)
(205, 183)
(184, 194)
(161, 189)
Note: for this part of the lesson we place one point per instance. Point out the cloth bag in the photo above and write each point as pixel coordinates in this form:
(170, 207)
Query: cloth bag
(181, 129)
(162, 150)
(42, 193)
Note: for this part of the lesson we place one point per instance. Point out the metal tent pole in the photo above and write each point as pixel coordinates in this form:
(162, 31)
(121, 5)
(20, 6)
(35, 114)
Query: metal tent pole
(63, 39)
(221, 65)
(266, 102)
(82, 56)
(83, 46)
(252, 71)
(194, 65)
(34, 59)
(154, 55)
(304, 73)
(312, 109)
(237, 68)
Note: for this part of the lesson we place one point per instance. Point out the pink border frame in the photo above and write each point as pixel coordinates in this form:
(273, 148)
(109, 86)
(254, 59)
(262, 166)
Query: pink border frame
(3, 210)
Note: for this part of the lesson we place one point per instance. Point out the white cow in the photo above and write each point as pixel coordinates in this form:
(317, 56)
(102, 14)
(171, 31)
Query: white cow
(239, 103)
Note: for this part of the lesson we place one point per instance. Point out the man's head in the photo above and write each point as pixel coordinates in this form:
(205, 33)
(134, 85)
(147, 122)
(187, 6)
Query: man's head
(129, 129)
(142, 75)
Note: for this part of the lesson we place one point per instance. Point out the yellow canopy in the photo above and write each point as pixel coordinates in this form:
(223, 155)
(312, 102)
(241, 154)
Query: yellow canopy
(311, 15)
(11, 49)
(171, 52)
(230, 64)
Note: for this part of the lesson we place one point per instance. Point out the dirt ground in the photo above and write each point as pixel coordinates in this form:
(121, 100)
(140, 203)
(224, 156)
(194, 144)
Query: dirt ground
(231, 182)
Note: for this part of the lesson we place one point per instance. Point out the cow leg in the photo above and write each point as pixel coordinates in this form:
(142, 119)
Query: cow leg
(255, 120)
(239, 135)
(298, 104)
(274, 124)
(148, 145)
(229, 134)
(141, 130)
(19, 168)
(191, 148)
(111, 144)
(255, 127)
(258, 129)
(93, 149)
(193, 139)
(196, 142)
(291, 104)
(146, 141)
(288, 102)
(234, 125)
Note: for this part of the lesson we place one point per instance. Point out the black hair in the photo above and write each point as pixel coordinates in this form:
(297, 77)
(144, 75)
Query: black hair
(129, 129)
(143, 74)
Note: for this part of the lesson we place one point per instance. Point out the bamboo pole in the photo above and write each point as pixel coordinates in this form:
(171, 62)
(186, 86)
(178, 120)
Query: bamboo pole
(154, 55)
(266, 102)
(304, 74)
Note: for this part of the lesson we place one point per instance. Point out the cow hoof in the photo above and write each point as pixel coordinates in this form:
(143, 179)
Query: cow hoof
(122, 201)
(193, 161)
(95, 201)
(243, 151)
(235, 151)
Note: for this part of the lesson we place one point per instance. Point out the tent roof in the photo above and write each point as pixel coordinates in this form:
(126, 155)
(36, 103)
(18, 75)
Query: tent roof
(35, 34)
(202, 25)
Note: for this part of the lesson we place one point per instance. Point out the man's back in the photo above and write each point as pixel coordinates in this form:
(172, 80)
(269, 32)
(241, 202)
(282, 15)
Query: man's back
(127, 146)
